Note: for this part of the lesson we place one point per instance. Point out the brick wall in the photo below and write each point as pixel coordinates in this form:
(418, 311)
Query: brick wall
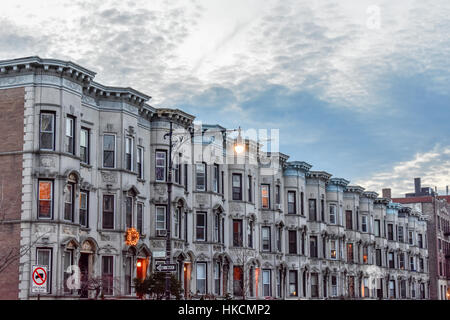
(11, 140)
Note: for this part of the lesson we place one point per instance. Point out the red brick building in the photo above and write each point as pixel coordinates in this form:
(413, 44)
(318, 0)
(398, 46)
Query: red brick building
(437, 208)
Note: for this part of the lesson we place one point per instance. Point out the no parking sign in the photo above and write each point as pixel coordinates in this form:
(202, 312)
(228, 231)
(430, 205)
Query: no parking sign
(39, 279)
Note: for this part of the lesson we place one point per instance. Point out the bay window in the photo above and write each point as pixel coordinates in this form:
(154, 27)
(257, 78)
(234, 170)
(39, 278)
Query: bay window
(47, 131)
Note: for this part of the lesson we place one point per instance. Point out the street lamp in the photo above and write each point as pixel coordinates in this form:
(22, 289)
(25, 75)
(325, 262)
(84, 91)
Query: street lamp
(238, 148)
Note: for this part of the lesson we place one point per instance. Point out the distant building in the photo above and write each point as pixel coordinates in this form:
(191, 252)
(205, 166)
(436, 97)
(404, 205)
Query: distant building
(437, 208)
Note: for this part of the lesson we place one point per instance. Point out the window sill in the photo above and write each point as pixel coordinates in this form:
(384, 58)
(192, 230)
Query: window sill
(86, 165)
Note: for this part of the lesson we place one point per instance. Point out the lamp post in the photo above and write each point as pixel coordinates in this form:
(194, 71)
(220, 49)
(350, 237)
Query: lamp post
(238, 148)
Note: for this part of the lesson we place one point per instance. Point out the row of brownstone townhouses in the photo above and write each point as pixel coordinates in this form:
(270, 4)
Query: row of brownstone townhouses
(82, 163)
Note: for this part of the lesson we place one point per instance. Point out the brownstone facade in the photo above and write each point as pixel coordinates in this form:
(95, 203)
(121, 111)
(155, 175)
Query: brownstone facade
(11, 146)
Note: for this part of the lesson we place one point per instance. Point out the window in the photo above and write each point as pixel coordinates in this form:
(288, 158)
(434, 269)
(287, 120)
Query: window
(216, 178)
(217, 278)
(378, 257)
(312, 210)
(277, 194)
(377, 228)
(279, 237)
(349, 219)
(160, 166)
(250, 233)
(68, 201)
(45, 210)
(349, 252)
(107, 275)
(292, 234)
(108, 211)
(70, 141)
(265, 235)
(401, 260)
(177, 222)
(237, 186)
(302, 204)
(293, 283)
(238, 281)
(322, 209)
(411, 237)
(364, 223)
(314, 285)
(390, 232)
(109, 147)
(351, 286)
(403, 289)
(420, 241)
(217, 227)
(161, 218)
(267, 290)
(334, 287)
(391, 288)
(249, 189)
(265, 196)
(313, 247)
(237, 233)
(44, 258)
(84, 145)
(421, 265)
(84, 208)
(412, 264)
(129, 153)
(68, 262)
(333, 254)
(139, 217)
(365, 288)
(201, 277)
(391, 260)
(365, 255)
(140, 162)
(279, 276)
(185, 176)
(401, 237)
(200, 227)
(200, 173)
(292, 205)
(177, 169)
(332, 214)
(47, 131)
(129, 212)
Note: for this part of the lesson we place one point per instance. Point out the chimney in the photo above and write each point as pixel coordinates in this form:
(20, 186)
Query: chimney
(417, 186)
(386, 193)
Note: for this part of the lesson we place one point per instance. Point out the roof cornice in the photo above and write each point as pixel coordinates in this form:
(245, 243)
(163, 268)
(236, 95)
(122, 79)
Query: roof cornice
(322, 175)
(354, 189)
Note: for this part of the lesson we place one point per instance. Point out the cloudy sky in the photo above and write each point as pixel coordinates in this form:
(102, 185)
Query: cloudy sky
(360, 89)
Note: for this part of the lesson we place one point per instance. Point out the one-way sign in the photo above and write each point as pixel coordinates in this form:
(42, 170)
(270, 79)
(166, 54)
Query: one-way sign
(172, 267)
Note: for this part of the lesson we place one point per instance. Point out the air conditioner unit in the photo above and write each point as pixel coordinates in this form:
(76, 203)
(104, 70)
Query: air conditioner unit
(161, 233)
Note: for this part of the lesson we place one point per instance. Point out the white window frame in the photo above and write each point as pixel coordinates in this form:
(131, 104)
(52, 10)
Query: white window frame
(197, 172)
(49, 266)
(103, 150)
(159, 166)
(267, 283)
(157, 216)
(53, 115)
(140, 160)
(129, 142)
(205, 279)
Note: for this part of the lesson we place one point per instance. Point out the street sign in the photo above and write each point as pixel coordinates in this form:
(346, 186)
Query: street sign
(39, 279)
(172, 267)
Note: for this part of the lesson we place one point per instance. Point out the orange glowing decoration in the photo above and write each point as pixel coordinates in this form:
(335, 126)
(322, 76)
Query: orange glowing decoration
(131, 237)
(138, 264)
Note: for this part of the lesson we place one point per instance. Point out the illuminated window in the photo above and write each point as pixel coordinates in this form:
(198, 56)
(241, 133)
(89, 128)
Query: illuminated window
(333, 254)
(265, 197)
(293, 283)
(45, 210)
(349, 252)
(365, 255)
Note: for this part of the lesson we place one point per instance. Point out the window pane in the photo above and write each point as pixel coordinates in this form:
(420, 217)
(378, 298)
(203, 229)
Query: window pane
(45, 199)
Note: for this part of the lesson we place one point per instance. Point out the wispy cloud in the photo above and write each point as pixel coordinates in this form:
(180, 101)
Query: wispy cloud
(432, 166)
